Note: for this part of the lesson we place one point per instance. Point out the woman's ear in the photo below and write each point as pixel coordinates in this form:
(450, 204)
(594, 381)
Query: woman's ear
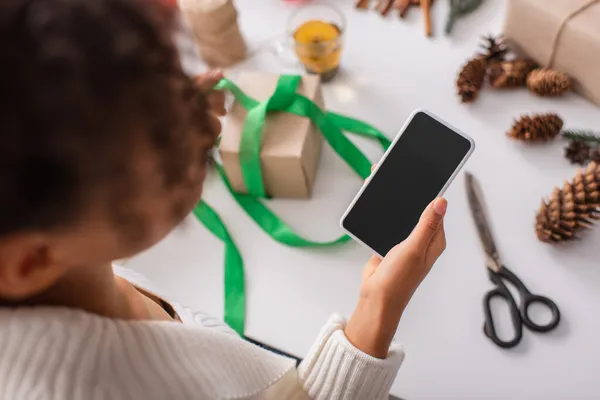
(26, 267)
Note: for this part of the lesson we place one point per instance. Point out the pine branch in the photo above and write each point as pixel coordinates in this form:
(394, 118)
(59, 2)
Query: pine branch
(582, 136)
(458, 9)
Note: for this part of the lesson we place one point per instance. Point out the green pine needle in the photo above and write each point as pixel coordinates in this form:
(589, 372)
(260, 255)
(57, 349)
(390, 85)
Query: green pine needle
(459, 8)
(582, 136)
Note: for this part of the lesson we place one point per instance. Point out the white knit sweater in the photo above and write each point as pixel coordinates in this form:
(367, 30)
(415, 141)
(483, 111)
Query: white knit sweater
(59, 353)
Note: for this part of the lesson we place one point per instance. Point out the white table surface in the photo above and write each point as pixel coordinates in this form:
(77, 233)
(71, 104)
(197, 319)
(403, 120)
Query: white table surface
(390, 69)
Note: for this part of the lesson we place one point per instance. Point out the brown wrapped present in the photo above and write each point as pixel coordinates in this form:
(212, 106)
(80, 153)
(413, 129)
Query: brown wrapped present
(559, 34)
(291, 145)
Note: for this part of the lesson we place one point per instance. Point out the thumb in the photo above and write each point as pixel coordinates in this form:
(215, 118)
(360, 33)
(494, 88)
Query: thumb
(429, 223)
(371, 267)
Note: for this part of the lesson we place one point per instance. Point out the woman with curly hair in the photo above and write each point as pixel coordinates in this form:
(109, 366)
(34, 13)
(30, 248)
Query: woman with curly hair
(104, 141)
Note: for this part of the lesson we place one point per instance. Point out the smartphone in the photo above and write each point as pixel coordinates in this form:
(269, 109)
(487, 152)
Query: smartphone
(419, 166)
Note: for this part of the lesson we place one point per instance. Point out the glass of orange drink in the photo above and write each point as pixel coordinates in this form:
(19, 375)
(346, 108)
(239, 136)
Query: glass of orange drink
(317, 32)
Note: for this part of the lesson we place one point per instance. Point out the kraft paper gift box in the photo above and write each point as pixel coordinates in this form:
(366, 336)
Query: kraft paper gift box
(291, 145)
(561, 34)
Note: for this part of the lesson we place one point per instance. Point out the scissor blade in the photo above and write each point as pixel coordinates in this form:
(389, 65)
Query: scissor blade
(475, 197)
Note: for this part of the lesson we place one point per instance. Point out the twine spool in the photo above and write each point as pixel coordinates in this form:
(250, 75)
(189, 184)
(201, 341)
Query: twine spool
(216, 31)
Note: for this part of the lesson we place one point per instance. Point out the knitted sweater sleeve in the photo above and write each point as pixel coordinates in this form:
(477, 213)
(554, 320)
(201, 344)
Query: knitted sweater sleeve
(336, 370)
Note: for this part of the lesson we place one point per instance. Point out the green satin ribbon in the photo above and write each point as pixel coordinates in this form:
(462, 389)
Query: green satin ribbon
(235, 285)
(253, 130)
(284, 99)
(290, 101)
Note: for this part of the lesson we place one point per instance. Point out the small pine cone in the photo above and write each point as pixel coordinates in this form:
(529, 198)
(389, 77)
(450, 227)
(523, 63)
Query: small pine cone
(595, 154)
(571, 209)
(536, 128)
(549, 83)
(470, 79)
(509, 74)
(494, 48)
(578, 152)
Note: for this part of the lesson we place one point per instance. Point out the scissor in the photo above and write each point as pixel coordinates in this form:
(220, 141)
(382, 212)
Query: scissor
(498, 273)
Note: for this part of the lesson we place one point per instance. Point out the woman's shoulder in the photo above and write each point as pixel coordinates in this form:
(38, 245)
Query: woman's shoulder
(186, 314)
(70, 354)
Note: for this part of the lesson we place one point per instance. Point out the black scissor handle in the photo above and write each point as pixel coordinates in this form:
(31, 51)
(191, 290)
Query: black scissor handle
(530, 299)
(527, 299)
(489, 328)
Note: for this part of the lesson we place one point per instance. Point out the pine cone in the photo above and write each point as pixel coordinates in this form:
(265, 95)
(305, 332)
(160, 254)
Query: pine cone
(571, 209)
(536, 128)
(595, 154)
(509, 74)
(470, 79)
(578, 152)
(494, 48)
(550, 83)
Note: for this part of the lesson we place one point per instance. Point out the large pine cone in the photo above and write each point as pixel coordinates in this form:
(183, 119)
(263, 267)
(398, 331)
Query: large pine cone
(536, 128)
(549, 83)
(509, 74)
(571, 209)
(470, 79)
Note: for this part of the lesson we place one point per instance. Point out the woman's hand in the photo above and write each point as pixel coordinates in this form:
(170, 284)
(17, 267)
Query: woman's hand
(216, 98)
(389, 284)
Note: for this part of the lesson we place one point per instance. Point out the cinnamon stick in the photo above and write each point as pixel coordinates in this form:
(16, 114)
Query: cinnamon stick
(363, 4)
(402, 6)
(426, 5)
(384, 6)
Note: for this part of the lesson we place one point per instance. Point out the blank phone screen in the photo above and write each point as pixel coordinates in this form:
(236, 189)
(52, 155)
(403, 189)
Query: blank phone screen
(411, 176)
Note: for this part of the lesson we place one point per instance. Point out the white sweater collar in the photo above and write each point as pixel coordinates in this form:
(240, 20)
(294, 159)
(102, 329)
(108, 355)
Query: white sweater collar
(60, 353)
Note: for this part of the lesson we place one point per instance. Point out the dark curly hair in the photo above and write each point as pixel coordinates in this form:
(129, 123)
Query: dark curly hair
(81, 83)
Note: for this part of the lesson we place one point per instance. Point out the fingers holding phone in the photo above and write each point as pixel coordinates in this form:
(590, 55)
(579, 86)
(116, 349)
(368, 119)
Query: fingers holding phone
(389, 283)
(429, 233)
(430, 230)
(394, 215)
(405, 266)
(438, 241)
(412, 259)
